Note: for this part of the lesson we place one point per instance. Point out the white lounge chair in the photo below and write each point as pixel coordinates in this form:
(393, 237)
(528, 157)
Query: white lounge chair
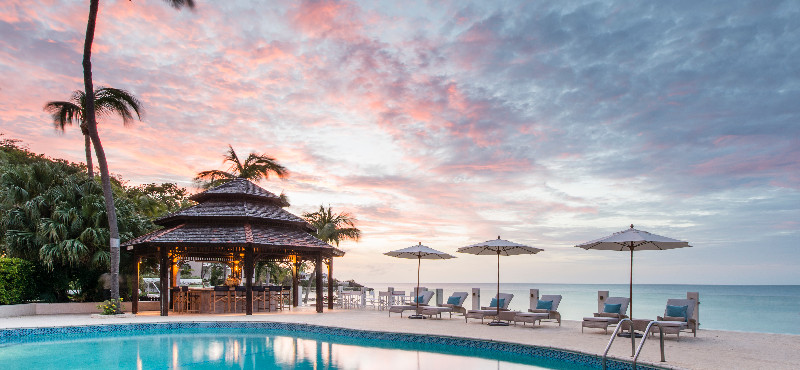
(539, 314)
(675, 324)
(485, 312)
(455, 303)
(426, 297)
(602, 320)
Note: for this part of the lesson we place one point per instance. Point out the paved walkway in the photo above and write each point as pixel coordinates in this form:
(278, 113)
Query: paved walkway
(711, 349)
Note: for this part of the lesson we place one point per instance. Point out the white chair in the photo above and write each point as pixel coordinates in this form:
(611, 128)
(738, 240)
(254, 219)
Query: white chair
(490, 311)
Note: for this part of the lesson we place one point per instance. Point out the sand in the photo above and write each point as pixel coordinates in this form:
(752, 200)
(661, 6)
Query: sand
(711, 349)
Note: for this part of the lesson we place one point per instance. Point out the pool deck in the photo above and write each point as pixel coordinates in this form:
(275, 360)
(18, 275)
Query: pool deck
(711, 349)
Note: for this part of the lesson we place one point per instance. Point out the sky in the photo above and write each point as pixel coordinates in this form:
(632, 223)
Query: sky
(547, 123)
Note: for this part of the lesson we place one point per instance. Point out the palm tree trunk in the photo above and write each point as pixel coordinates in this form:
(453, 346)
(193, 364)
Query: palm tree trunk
(91, 122)
(88, 145)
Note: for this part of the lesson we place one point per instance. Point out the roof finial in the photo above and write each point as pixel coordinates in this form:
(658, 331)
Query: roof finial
(631, 226)
(498, 237)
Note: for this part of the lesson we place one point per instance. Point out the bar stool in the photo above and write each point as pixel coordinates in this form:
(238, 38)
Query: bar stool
(192, 302)
(222, 293)
(178, 301)
(275, 298)
(239, 295)
(259, 297)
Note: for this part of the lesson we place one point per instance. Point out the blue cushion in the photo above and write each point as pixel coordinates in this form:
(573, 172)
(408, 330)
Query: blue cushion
(677, 311)
(494, 302)
(612, 308)
(454, 300)
(544, 305)
(419, 299)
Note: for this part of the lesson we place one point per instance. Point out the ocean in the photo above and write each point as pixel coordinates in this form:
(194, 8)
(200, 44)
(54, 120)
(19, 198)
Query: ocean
(748, 308)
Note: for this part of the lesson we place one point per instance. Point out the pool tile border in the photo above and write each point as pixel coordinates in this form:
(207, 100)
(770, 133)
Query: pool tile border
(24, 335)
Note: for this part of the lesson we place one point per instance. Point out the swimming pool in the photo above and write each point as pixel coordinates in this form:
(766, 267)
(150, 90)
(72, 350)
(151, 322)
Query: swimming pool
(265, 345)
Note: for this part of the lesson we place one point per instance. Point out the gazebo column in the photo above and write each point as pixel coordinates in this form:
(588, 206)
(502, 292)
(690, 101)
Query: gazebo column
(163, 280)
(135, 291)
(248, 279)
(330, 283)
(295, 282)
(318, 269)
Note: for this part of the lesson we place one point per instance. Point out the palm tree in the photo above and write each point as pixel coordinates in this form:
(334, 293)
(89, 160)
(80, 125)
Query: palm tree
(91, 124)
(107, 100)
(331, 228)
(254, 168)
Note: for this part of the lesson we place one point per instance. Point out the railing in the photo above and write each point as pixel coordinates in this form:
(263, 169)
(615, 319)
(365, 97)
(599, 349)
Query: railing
(634, 351)
(614, 336)
(644, 338)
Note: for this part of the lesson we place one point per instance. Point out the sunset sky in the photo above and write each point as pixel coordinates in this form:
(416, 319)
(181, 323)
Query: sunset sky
(549, 123)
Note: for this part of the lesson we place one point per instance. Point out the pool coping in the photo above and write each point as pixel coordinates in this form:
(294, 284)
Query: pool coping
(32, 334)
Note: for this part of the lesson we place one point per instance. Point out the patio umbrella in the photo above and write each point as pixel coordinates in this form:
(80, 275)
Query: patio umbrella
(419, 252)
(632, 239)
(498, 247)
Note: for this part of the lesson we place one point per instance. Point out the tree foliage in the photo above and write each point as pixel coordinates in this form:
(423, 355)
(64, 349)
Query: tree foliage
(254, 168)
(333, 227)
(52, 215)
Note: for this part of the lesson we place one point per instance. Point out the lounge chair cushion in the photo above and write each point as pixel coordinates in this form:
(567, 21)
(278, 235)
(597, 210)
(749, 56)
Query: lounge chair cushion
(454, 300)
(494, 302)
(419, 299)
(677, 311)
(544, 305)
(539, 310)
(678, 318)
(612, 308)
(607, 314)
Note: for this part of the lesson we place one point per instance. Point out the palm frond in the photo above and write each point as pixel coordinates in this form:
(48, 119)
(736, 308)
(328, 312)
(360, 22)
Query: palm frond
(177, 4)
(64, 113)
(109, 100)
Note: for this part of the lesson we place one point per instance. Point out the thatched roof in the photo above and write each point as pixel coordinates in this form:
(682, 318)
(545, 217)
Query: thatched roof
(237, 213)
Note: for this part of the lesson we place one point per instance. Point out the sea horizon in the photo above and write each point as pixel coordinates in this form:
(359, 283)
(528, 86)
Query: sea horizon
(722, 307)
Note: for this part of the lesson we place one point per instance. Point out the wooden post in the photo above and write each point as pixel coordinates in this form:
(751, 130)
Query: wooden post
(248, 276)
(476, 298)
(163, 279)
(330, 283)
(318, 268)
(135, 291)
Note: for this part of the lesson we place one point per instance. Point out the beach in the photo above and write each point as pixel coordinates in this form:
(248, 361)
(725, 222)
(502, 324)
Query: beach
(711, 349)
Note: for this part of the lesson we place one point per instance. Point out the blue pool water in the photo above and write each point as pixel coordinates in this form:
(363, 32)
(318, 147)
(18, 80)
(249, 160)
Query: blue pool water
(265, 346)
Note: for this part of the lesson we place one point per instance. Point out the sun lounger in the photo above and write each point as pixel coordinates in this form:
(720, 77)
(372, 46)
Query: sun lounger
(611, 314)
(453, 304)
(490, 311)
(426, 297)
(678, 316)
(546, 309)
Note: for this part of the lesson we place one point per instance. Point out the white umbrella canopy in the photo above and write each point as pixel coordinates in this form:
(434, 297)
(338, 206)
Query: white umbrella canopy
(499, 247)
(419, 252)
(631, 240)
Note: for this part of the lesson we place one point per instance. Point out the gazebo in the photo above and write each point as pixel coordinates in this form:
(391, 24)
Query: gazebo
(237, 223)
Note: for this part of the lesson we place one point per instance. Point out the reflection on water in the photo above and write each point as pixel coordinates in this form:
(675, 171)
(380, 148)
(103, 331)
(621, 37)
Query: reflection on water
(203, 350)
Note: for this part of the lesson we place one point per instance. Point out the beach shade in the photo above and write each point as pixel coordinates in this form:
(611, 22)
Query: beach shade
(419, 252)
(498, 247)
(633, 240)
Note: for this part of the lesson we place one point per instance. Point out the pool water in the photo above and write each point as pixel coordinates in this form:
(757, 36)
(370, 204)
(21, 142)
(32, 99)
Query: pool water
(269, 345)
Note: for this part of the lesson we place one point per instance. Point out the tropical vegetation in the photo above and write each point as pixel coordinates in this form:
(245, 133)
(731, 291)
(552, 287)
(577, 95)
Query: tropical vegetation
(255, 167)
(331, 228)
(53, 216)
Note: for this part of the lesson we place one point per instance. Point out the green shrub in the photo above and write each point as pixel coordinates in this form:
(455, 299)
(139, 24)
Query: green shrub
(17, 282)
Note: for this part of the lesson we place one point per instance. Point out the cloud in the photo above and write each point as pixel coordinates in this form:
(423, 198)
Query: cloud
(549, 123)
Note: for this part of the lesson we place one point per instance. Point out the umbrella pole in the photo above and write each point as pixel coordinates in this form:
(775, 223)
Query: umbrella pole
(497, 321)
(497, 297)
(630, 285)
(416, 294)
